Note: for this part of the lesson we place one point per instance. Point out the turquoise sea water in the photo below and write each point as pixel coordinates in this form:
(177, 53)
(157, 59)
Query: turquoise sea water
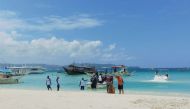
(179, 82)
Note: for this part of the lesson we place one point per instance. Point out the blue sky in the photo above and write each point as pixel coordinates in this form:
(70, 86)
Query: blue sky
(147, 33)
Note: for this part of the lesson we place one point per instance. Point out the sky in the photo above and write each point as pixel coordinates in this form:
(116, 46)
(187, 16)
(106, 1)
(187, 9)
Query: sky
(145, 33)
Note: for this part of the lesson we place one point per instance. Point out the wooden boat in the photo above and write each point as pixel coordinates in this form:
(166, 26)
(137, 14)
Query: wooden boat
(76, 70)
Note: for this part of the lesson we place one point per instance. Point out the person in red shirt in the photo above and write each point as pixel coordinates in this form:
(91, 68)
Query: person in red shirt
(120, 84)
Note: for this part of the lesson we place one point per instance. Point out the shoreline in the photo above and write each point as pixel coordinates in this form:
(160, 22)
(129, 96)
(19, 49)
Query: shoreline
(39, 99)
(127, 92)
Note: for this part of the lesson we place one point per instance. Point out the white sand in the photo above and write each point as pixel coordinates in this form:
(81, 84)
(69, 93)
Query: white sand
(29, 99)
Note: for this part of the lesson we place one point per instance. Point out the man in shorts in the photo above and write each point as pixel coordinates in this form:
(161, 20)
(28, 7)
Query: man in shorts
(82, 84)
(48, 83)
(120, 84)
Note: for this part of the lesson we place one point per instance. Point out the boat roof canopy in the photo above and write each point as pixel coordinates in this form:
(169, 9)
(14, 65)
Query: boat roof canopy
(81, 66)
(120, 66)
(25, 67)
(5, 70)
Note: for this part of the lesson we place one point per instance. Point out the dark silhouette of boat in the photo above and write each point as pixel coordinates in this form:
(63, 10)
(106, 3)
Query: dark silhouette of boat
(76, 70)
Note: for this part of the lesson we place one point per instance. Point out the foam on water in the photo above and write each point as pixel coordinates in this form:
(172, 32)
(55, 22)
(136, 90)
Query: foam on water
(160, 78)
(157, 81)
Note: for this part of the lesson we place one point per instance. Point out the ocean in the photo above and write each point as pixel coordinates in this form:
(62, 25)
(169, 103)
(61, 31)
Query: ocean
(179, 82)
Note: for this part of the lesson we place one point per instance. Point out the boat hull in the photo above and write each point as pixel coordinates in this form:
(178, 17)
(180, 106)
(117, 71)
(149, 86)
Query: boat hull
(9, 81)
(111, 73)
(73, 72)
(37, 72)
(78, 70)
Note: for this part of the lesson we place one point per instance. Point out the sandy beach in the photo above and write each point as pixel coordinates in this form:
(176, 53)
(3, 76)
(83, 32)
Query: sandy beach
(38, 99)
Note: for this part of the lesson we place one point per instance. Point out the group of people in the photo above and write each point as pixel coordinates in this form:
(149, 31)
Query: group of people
(110, 86)
(49, 83)
(104, 79)
(95, 79)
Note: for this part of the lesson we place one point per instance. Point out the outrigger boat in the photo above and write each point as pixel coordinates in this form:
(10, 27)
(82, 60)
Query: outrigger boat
(114, 70)
(76, 70)
(27, 70)
(120, 70)
(107, 72)
(8, 77)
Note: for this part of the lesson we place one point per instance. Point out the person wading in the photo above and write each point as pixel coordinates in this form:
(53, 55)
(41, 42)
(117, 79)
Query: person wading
(82, 84)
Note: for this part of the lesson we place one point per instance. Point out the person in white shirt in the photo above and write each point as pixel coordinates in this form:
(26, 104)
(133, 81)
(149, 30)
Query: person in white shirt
(82, 84)
(48, 83)
(100, 78)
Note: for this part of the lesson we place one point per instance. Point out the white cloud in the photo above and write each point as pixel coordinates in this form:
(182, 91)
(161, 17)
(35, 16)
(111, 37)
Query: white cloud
(9, 24)
(59, 23)
(55, 51)
(11, 21)
(45, 48)
(52, 50)
(112, 46)
(7, 14)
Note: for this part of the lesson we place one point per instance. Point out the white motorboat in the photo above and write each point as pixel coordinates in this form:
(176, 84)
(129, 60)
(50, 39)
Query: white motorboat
(27, 70)
(160, 78)
(37, 70)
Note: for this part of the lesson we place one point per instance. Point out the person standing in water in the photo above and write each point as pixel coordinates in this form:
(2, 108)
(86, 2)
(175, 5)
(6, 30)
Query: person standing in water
(58, 83)
(100, 78)
(120, 84)
(48, 83)
(94, 81)
(82, 84)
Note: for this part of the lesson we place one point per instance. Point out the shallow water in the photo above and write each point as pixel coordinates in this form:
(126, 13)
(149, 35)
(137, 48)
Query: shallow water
(179, 82)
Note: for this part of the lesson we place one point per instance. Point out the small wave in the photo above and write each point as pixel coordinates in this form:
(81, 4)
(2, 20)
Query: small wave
(157, 81)
(166, 81)
(162, 81)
